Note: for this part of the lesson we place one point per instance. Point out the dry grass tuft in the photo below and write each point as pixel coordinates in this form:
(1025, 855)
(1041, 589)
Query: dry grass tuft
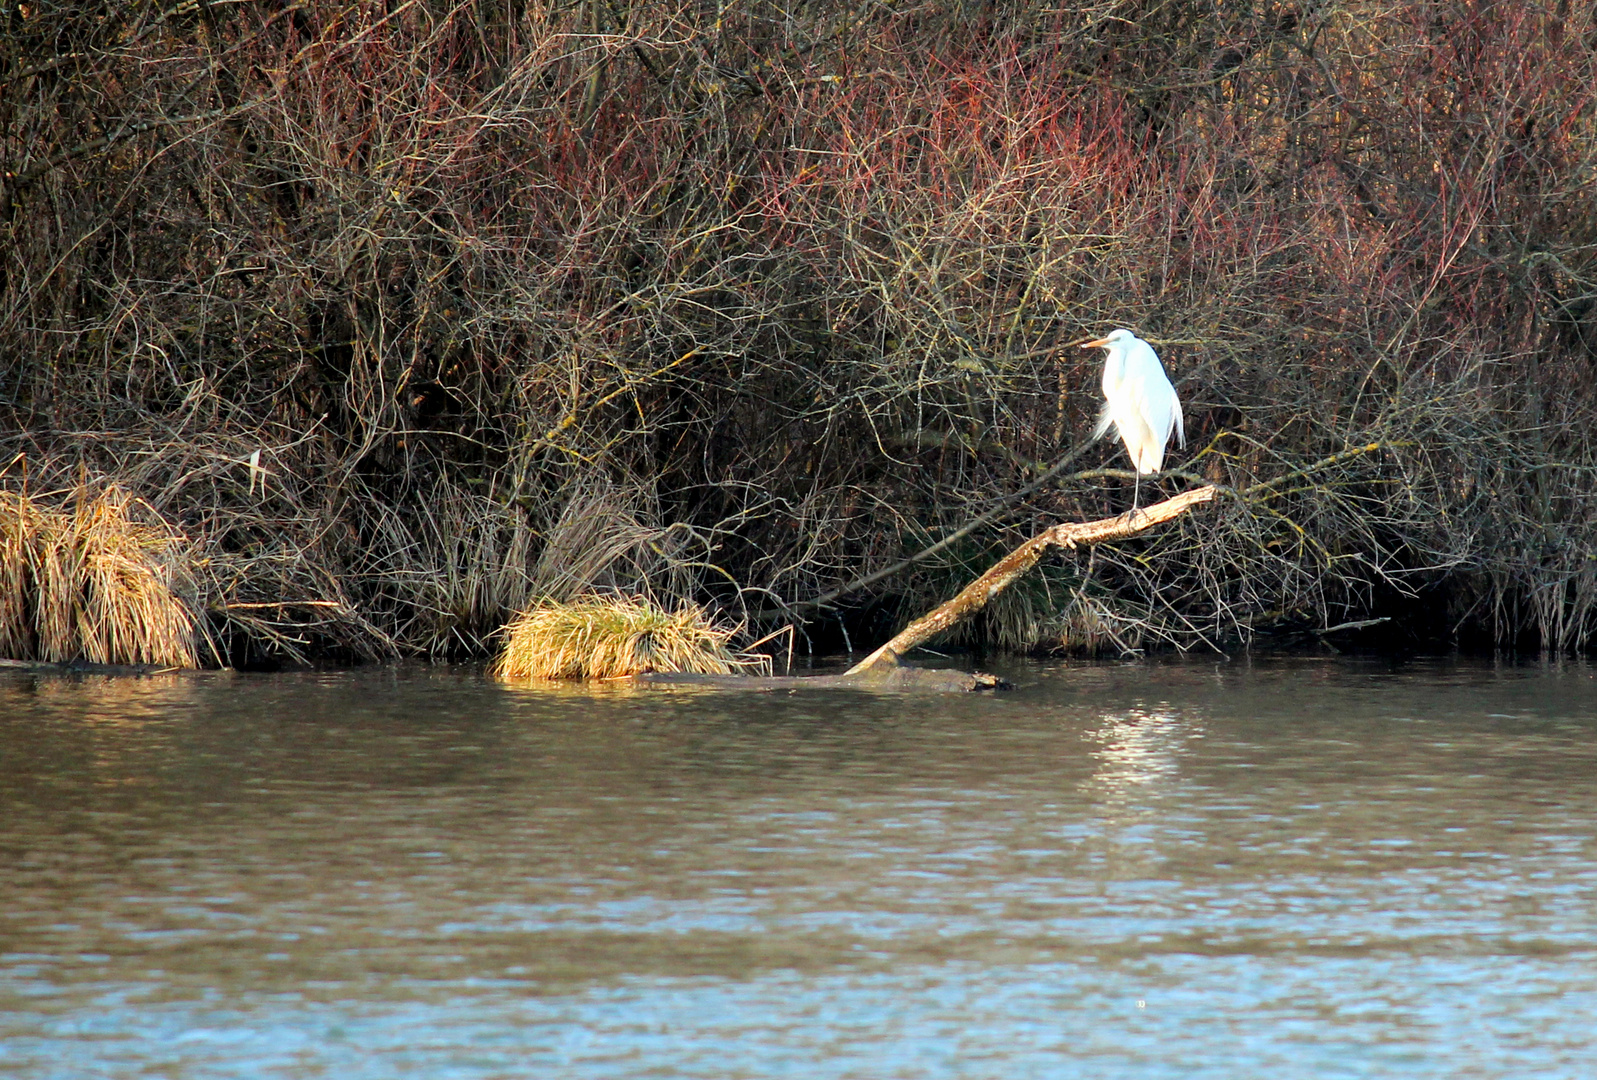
(90, 583)
(606, 637)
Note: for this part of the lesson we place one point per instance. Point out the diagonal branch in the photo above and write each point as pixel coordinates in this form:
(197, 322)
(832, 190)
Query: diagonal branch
(954, 537)
(975, 596)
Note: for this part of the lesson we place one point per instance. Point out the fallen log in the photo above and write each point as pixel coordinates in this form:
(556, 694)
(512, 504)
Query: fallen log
(975, 596)
(84, 667)
(933, 680)
(883, 669)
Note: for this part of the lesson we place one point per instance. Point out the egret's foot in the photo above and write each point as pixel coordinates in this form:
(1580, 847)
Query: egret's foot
(1130, 516)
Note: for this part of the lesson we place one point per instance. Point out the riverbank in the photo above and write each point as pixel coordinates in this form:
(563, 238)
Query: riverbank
(403, 320)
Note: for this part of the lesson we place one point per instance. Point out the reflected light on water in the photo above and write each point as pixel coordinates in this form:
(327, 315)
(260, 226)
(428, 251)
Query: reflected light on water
(1137, 750)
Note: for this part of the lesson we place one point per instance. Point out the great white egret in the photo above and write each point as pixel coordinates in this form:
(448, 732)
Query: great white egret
(1139, 402)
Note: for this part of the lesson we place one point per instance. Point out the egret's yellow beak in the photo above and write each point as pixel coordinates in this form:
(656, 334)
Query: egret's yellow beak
(1101, 343)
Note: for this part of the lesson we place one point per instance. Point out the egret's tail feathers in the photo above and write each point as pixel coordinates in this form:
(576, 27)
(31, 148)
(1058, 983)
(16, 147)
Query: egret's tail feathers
(1101, 428)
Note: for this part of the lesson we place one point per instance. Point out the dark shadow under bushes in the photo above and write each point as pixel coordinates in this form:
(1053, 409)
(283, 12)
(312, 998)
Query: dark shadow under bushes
(412, 313)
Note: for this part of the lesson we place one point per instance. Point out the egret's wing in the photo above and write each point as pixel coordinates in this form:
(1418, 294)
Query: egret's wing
(1151, 393)
(1101, 428)
(1141, 374)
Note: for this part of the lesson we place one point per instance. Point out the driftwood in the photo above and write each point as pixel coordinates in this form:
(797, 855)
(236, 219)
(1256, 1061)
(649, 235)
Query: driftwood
(882, 669)
(935, 680)
(975, 596)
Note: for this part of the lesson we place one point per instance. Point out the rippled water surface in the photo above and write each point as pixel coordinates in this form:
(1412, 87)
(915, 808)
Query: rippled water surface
(1192, 869)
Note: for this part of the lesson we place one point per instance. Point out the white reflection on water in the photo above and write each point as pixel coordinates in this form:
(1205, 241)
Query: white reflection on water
(1138, 751)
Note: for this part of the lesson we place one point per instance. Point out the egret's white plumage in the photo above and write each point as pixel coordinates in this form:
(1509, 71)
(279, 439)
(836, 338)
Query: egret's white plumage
(1139, 402)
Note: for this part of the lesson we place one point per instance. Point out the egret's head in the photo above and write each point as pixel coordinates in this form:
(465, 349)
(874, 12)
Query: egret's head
(1115, 337)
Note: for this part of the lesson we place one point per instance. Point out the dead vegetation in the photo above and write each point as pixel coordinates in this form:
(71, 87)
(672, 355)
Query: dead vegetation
(408, 315)
(609, 637)
(81, 578)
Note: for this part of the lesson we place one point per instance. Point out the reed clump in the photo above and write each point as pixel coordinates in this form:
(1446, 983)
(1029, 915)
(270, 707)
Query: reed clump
(607, 637)
(91, 583)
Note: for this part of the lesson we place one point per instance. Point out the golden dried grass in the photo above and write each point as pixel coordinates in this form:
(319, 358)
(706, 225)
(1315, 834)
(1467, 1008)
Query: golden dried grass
(90, 583)
(605, 637)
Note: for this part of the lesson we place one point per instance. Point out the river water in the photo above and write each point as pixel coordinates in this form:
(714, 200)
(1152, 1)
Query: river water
(1196, 868)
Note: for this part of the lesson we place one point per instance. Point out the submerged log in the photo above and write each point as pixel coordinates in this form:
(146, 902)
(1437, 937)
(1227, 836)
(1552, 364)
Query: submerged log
(975, 596)
(84, 667)
(933, 680)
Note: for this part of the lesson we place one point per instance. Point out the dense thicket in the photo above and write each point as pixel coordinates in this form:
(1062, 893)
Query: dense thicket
(408, 312)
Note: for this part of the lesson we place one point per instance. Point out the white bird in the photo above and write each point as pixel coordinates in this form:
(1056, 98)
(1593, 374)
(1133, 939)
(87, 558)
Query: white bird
(1139, 402)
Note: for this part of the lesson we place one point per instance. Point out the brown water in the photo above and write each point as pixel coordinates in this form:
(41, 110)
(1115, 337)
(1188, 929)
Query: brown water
(1190, 869)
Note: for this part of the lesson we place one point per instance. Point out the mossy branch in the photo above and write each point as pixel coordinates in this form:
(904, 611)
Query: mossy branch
(975, 596)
